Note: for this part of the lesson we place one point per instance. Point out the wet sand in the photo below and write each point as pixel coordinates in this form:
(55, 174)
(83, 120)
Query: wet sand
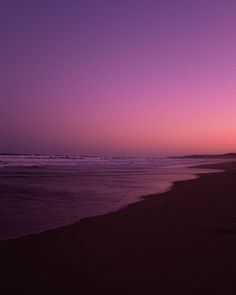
(178, 242)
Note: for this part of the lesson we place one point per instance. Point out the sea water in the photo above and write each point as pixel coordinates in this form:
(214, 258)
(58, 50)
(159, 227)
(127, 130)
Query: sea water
(44, 192)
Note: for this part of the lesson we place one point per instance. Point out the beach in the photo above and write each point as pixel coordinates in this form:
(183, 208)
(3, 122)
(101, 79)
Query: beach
(178, 242)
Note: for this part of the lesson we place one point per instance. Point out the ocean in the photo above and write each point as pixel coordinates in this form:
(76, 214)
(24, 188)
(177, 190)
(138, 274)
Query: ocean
(38, 193)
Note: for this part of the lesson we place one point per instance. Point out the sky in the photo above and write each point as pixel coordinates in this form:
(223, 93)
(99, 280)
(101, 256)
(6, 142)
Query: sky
(118, 77)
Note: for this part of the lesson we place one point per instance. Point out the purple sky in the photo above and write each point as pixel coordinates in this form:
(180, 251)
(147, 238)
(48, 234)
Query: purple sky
(122, 77)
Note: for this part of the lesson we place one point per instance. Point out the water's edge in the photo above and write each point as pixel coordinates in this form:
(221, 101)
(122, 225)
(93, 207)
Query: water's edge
(192, 176)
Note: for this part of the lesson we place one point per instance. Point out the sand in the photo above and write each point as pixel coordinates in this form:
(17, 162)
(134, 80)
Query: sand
(179, 242)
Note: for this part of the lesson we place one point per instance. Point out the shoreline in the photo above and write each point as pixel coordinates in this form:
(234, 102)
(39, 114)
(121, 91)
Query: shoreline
(193, 175)
(166, 242)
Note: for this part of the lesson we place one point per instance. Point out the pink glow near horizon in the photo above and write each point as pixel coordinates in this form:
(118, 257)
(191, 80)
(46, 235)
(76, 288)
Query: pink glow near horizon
(132, 77)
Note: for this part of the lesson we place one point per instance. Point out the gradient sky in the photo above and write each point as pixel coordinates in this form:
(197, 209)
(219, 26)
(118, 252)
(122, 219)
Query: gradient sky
(118, 77)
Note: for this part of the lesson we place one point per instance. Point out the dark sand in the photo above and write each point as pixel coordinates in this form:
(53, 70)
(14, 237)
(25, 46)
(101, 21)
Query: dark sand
(178, 242)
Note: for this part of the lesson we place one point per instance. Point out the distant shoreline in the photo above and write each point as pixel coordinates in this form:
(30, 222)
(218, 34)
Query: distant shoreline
(214, 156)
